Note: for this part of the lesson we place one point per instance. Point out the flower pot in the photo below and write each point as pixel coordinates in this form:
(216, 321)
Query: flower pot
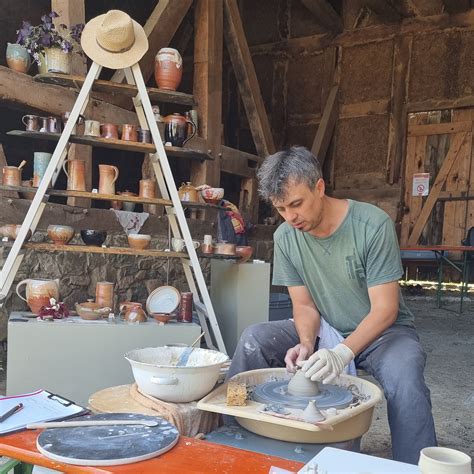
(42, 66)
(18, 58)
(58, 61)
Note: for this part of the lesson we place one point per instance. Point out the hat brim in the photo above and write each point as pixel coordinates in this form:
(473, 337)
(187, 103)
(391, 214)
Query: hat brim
(109, 59)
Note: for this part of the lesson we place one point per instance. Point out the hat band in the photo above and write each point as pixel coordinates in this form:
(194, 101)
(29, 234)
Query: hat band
(112, 51)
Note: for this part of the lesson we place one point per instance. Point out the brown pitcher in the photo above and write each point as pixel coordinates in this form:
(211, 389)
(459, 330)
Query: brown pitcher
(38, 292)
(108, 174)
(176, 129)
(76, 178)
(11, 176)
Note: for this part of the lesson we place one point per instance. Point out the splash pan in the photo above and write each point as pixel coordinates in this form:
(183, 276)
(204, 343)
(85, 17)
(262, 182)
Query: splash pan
(342, 424)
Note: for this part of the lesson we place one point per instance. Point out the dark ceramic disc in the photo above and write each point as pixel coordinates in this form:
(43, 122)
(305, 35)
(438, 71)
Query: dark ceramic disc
(108, 445)
(330, 396)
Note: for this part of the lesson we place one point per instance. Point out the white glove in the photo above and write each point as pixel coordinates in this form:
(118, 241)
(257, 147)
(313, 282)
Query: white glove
(327, 364)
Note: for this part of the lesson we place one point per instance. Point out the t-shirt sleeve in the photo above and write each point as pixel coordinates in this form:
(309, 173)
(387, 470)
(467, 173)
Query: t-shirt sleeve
(284, 272)
(383, 260)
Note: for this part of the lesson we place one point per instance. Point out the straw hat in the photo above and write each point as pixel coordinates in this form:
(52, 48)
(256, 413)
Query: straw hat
(114, 40)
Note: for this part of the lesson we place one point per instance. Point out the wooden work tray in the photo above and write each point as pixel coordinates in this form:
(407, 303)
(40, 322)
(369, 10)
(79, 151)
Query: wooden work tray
(349, 423)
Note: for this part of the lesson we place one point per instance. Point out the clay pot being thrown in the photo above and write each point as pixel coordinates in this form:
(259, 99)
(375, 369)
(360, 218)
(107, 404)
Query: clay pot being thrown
(60, 234)
(300, 386)
(168, 69)
(39, 292)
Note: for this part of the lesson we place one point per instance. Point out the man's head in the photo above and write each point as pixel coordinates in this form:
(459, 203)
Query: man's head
(292, 181)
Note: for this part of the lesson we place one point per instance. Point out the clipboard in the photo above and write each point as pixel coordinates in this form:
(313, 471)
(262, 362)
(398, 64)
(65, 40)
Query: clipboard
(38, 407)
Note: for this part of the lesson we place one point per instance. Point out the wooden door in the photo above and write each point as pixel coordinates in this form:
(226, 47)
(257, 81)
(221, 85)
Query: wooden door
(439, 143)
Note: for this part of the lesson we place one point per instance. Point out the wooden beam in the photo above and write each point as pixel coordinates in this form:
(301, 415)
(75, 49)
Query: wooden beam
(439, 128)
(239, 162)
(208, 51)
(326, 127)
(361, 109)
(441, 104)
(443, 173)
(424, 7)
(21, 91)
(324, 14)
(247, 79)
(398, 119)
(160, 29)
(70, 13)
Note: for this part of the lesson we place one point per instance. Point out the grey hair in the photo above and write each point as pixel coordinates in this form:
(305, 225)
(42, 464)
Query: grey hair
(296, 165)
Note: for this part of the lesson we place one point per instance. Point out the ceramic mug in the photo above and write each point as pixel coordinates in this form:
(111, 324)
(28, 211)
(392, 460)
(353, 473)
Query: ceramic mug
(129, 132)
(11, 176)
(438, 460)
(31, 122)
(109, 130)
(92, 128)
(178, 244)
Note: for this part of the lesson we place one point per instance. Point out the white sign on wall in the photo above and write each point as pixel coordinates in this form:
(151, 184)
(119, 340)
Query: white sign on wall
(421, 184)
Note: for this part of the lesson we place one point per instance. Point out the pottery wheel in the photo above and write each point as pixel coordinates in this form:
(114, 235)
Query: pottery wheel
(330, 396)
(108, 445)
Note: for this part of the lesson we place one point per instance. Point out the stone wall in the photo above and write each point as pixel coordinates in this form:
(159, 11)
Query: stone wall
(134, 276)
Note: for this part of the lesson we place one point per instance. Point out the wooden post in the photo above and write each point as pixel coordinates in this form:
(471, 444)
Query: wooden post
(70, 13)
(208, 46)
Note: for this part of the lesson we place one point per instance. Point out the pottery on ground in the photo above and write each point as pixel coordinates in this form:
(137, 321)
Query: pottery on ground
(18, 58)
(168, 69)
(60, 234)
(38, 292)
(301, 386)
(91, 310)
(139, 241)
(93, 237)
(244, 252)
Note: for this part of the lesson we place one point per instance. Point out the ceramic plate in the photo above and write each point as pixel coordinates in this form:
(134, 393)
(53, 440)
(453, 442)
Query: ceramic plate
(165, 299)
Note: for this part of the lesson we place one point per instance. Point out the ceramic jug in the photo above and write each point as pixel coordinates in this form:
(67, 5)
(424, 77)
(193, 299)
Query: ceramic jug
(168, 69)
(39, 292)
(40, 163)
(176, 129)
(187, 192)
(108, 174)
(132, 312)
(18, 57)
(76, 178)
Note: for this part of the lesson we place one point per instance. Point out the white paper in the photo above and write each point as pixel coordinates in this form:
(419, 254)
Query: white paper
(37, 407)
(421, 184)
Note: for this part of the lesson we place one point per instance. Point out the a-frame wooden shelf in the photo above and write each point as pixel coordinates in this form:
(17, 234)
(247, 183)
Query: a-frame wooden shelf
(172, 151)
(109, 197)
(109, 87)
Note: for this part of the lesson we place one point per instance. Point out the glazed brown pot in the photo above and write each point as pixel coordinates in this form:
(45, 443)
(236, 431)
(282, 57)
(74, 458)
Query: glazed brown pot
(109, 130)
(176, 129)
(132, 312)
(168, 69)
(11, 176)
(129, 132)
(187, 192)
(60, 234)
(139, 241)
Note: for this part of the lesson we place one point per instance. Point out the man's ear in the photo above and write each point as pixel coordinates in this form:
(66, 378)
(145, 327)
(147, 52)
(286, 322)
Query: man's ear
(320, 186)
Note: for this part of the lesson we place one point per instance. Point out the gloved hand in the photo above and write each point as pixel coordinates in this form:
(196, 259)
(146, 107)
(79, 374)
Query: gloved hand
(327, 364)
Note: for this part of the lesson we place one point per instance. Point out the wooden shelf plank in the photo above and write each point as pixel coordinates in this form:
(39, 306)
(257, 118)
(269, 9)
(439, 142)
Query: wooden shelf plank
(173, 151)
(44, 247)
(156, 95)
(110, 197)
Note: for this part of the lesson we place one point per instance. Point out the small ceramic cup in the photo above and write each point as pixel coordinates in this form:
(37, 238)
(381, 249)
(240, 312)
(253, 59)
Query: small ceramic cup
(438, 460)
(92, 128)
(178, 244)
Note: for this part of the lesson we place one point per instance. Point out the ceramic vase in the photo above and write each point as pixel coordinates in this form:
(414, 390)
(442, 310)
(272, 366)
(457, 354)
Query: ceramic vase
(40, 164)
(76, 178)
(58, 61)
(18, 58)
(168, 69)
(43, 65)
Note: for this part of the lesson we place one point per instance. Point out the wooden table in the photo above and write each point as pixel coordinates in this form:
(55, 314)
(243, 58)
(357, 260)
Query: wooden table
(189, 455)
(442, 253)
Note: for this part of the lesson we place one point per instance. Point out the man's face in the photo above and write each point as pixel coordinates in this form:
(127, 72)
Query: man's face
(302, 207)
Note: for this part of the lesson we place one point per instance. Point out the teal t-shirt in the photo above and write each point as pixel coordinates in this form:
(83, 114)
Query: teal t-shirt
(338, 270)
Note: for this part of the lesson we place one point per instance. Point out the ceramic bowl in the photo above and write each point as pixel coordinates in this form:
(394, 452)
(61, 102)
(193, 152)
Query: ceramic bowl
(244, 252)
(163, 317)
(60, 234)
(91, 311)
(225, 248)
(212, 195)
(93, 237)
(139, 241)
(164, 299)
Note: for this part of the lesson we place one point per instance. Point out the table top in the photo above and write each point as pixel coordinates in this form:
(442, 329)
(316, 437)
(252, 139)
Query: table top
(189, 455)
(447, 248)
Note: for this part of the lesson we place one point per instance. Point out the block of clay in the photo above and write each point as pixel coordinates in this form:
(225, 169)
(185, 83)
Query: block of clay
(236, 394)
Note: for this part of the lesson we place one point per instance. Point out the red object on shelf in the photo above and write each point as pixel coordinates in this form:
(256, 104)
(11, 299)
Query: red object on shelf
(186, 309)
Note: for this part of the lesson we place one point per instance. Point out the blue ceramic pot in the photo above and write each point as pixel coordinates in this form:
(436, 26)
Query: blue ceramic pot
(18, 58)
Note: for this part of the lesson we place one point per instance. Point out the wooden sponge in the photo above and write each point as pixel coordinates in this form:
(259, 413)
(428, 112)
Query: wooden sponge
(236, 394)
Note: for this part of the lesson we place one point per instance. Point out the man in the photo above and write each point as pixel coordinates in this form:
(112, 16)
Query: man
(340, 261)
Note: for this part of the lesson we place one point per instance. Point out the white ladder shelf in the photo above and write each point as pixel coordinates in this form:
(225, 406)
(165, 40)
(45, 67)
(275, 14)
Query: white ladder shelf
(179, 226)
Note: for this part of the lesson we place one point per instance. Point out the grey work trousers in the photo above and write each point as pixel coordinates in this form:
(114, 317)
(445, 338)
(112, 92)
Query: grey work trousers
(396, 359)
